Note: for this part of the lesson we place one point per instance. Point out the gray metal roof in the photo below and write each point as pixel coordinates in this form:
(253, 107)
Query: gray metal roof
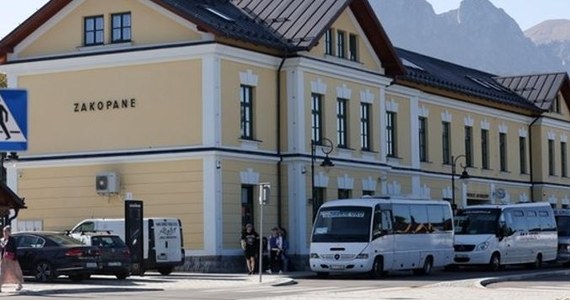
(441, 74)
(299, 22)
(540, 89)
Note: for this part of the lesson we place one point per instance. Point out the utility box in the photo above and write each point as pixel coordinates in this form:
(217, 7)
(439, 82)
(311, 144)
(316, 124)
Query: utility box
(107, 183)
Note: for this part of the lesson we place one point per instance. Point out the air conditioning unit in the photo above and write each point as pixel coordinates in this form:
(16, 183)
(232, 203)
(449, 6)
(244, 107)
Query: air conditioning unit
(107, 183)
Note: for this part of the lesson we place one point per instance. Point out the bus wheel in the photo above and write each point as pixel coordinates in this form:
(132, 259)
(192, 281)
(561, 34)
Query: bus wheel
(495, 262)
(537, 262)
(377, 268)
(426, 269)
(322, 275)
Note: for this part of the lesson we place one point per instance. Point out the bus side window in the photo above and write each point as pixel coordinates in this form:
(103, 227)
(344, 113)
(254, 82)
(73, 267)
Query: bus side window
(377, 224)
(387, 221)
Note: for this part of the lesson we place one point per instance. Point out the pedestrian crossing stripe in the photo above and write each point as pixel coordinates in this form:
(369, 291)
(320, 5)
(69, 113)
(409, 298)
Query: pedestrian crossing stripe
(13, 120)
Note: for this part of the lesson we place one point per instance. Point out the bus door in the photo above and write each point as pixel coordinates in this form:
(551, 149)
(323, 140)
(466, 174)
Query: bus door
(511, 239)
(382, 235)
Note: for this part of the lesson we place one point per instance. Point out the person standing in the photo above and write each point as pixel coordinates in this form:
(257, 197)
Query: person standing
(250, 243)
(10, 271)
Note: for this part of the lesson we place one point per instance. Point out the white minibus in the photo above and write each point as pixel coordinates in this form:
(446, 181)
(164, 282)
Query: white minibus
(377, 235)
(562, 216)
(499, 235)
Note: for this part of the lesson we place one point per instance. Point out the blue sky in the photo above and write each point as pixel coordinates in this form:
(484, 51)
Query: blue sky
(526, 12)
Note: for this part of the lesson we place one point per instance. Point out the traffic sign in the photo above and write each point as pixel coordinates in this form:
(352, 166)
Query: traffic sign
(13, 120)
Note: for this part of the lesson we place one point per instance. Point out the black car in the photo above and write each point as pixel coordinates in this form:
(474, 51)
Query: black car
(47, 255)
(115, 254)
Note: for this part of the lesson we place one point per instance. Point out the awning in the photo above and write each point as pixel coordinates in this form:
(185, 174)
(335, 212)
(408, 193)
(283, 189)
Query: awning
(9, 200)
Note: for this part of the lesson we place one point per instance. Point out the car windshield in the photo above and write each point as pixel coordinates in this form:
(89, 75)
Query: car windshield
(343, 224)
(563, 224)
(477, 221)
(62, 239)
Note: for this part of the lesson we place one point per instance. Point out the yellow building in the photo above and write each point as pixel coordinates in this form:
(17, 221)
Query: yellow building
(192, 104)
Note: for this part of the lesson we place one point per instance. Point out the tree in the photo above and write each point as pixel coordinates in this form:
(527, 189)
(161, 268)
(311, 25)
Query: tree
(3, 80)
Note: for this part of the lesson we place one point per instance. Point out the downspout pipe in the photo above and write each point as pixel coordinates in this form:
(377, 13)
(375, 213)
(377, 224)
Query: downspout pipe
(278, 135)
(531, 158)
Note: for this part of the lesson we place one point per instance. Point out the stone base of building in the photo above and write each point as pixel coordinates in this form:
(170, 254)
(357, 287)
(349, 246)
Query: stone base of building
(234, 264)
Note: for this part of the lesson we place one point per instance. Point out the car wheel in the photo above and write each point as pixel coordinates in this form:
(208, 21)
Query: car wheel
(44, 272)
(122, 276)
(495, 262)
(537, 262)
(165, 270)
(426, 269)
(377, 268)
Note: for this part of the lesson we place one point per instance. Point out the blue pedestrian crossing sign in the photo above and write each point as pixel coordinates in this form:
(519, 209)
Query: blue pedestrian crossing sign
(13, 120)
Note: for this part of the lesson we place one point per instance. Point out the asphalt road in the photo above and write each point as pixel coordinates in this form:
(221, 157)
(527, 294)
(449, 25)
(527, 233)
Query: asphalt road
(240, 286)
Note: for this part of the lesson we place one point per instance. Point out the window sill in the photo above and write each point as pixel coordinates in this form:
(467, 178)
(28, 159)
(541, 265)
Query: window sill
(345, 152)
(105, 47)
(344, 60)
(393, 159)
(249, 144)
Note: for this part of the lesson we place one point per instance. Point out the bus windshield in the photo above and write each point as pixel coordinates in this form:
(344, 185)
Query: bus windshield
(343, 224)
(563, 224)
(477, 221)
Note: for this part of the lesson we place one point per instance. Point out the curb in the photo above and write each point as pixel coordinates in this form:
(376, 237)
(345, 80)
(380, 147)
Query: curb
(486, 281)
(284, 282)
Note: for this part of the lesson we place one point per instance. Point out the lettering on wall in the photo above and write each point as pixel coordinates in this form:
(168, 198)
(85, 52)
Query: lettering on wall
(125, 103)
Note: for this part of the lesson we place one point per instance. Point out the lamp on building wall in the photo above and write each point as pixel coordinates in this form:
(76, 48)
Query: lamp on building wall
(327, 147)
(464, 175)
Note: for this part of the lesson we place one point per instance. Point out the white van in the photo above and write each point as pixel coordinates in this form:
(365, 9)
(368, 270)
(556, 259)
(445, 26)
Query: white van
(563, 224)
(163, 247)
(499, 235)
(376, 235)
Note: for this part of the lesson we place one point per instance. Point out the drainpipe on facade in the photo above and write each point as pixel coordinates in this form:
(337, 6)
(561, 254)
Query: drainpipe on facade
(530, 157)
(279, 163)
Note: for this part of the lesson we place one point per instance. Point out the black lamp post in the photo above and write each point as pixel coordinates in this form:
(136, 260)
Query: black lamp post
(327, 148)
(464, 175)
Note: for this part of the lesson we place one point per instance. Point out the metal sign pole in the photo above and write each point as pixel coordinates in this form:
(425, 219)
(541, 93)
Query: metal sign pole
(260, 266)
(264, 195)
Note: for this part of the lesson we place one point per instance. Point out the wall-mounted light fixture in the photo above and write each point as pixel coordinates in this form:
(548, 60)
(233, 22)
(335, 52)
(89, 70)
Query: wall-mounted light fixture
(218, 164)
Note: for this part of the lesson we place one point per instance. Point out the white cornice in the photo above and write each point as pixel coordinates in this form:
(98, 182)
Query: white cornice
(166, 54)
(336, 71)
(553, 123)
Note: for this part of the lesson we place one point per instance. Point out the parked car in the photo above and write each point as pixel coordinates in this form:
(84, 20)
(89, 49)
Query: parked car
(115, 255)
(47, 255)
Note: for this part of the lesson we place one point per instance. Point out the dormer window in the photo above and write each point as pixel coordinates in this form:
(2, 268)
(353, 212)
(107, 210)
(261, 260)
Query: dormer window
(329, 42)
(121, 27)
(555, 107)
(340, 44)
(94, 29)
(353, 47)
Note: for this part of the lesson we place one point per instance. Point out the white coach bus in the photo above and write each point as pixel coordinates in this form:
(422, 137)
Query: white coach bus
(499, 235)
(377, 235)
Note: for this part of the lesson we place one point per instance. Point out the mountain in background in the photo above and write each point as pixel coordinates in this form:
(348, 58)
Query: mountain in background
(553, 36)
(477, 35)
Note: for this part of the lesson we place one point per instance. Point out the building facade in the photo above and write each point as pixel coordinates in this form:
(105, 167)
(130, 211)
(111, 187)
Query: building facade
(192, 104)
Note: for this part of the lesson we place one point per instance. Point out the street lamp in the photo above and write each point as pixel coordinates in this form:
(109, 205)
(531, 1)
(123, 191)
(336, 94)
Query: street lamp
(464, 175)
(327, 147)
